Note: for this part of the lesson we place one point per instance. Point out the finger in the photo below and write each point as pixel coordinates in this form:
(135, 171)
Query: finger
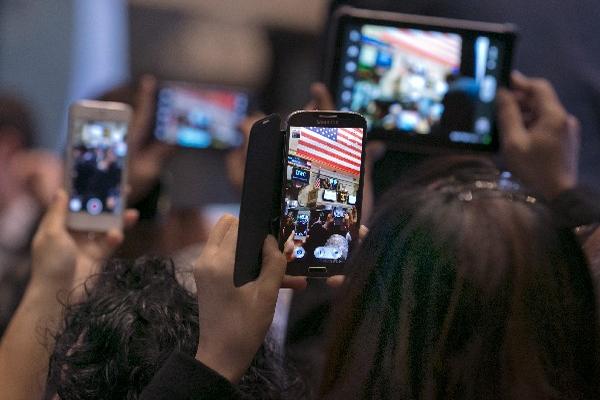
(288, 247)
(510, 120)
(294, 282)
(321, 97)
(56, 216)
(130, 217)
(336, 281)
(363, 231)
(573, 126)
(574, 133)
(218, 232)
(144, 111)
(158, 152)
(518, 80)
(273, 266)
(539, 95)
(113, 239)
(229, 243)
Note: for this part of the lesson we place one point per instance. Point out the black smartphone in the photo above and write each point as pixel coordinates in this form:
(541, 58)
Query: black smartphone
(261, 194)
(200, 116)
(324, 167)
(422, 83)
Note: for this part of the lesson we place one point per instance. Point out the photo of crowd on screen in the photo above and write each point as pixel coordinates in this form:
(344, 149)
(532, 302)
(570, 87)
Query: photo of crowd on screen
(320, 214)
(98, 161)
(404, 78)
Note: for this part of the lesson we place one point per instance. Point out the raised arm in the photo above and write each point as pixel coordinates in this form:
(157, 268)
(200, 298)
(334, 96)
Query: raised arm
(60, 261)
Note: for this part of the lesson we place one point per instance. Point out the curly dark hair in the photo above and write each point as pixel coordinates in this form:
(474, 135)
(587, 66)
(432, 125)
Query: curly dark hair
(135, 315)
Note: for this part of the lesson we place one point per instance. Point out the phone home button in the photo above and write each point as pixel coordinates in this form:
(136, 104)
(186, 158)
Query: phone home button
(317, 270)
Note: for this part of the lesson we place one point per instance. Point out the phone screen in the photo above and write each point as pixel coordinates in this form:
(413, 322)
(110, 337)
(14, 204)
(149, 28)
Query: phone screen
(200, 117)
(98, 154)
(423, 85)
(323, 177)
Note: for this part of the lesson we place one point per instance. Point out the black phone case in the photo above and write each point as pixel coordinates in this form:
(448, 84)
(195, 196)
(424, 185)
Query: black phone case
(261, 197)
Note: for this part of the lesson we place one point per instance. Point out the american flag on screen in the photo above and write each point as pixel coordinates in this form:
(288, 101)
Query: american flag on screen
(338, 148)
(443, 48)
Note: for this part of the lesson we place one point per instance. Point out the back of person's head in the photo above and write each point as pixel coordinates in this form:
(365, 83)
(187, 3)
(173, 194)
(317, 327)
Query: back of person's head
(135, 315)
(15, 120)
(465, 288)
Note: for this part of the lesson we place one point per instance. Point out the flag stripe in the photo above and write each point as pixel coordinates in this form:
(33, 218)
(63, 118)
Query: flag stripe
(319, 149)
(329, 160)
(344, 151)
(339, 148)
(357, 133)
(351, 146)
(350, 137)
(441, 48)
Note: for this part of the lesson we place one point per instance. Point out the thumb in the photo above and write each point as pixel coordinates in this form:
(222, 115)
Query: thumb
(573, 127)
(144, 112)
(56, 215)
(321, 98)
(273, 266)
(510, 120)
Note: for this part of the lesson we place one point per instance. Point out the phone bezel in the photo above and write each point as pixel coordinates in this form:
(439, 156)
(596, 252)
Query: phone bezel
(347, 119)
(417, 143)
(101, 111)
(199, 87)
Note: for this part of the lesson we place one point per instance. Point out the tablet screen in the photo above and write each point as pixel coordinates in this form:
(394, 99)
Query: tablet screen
(421, 84)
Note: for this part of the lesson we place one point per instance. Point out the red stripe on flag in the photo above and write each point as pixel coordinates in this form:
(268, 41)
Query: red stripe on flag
(345, 149)
(325, 162)
(331, 154)
(418, 50)
(343, 154)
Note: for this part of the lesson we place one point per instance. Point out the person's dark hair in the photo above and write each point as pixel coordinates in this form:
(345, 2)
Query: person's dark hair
(135, 315)
(14, 114)
(465, 288)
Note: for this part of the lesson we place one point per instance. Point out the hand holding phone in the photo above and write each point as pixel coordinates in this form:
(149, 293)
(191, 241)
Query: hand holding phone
(97, 164)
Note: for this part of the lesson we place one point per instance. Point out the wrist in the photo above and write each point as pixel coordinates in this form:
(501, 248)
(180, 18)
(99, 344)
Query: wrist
(44, 298)
(44, 286)
(560, 186)
(220, 362)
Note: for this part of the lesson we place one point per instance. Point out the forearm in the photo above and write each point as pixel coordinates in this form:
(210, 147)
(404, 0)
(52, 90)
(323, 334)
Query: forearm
(27, 343)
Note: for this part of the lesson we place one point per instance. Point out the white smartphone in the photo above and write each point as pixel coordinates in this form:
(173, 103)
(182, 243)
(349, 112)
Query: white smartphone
(96, 170)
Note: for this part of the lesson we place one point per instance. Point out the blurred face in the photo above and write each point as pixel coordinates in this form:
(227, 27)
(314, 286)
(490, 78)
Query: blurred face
(10, 143)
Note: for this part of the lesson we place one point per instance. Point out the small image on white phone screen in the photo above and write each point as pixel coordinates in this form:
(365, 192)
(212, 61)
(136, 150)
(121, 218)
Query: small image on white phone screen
(97, 164)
